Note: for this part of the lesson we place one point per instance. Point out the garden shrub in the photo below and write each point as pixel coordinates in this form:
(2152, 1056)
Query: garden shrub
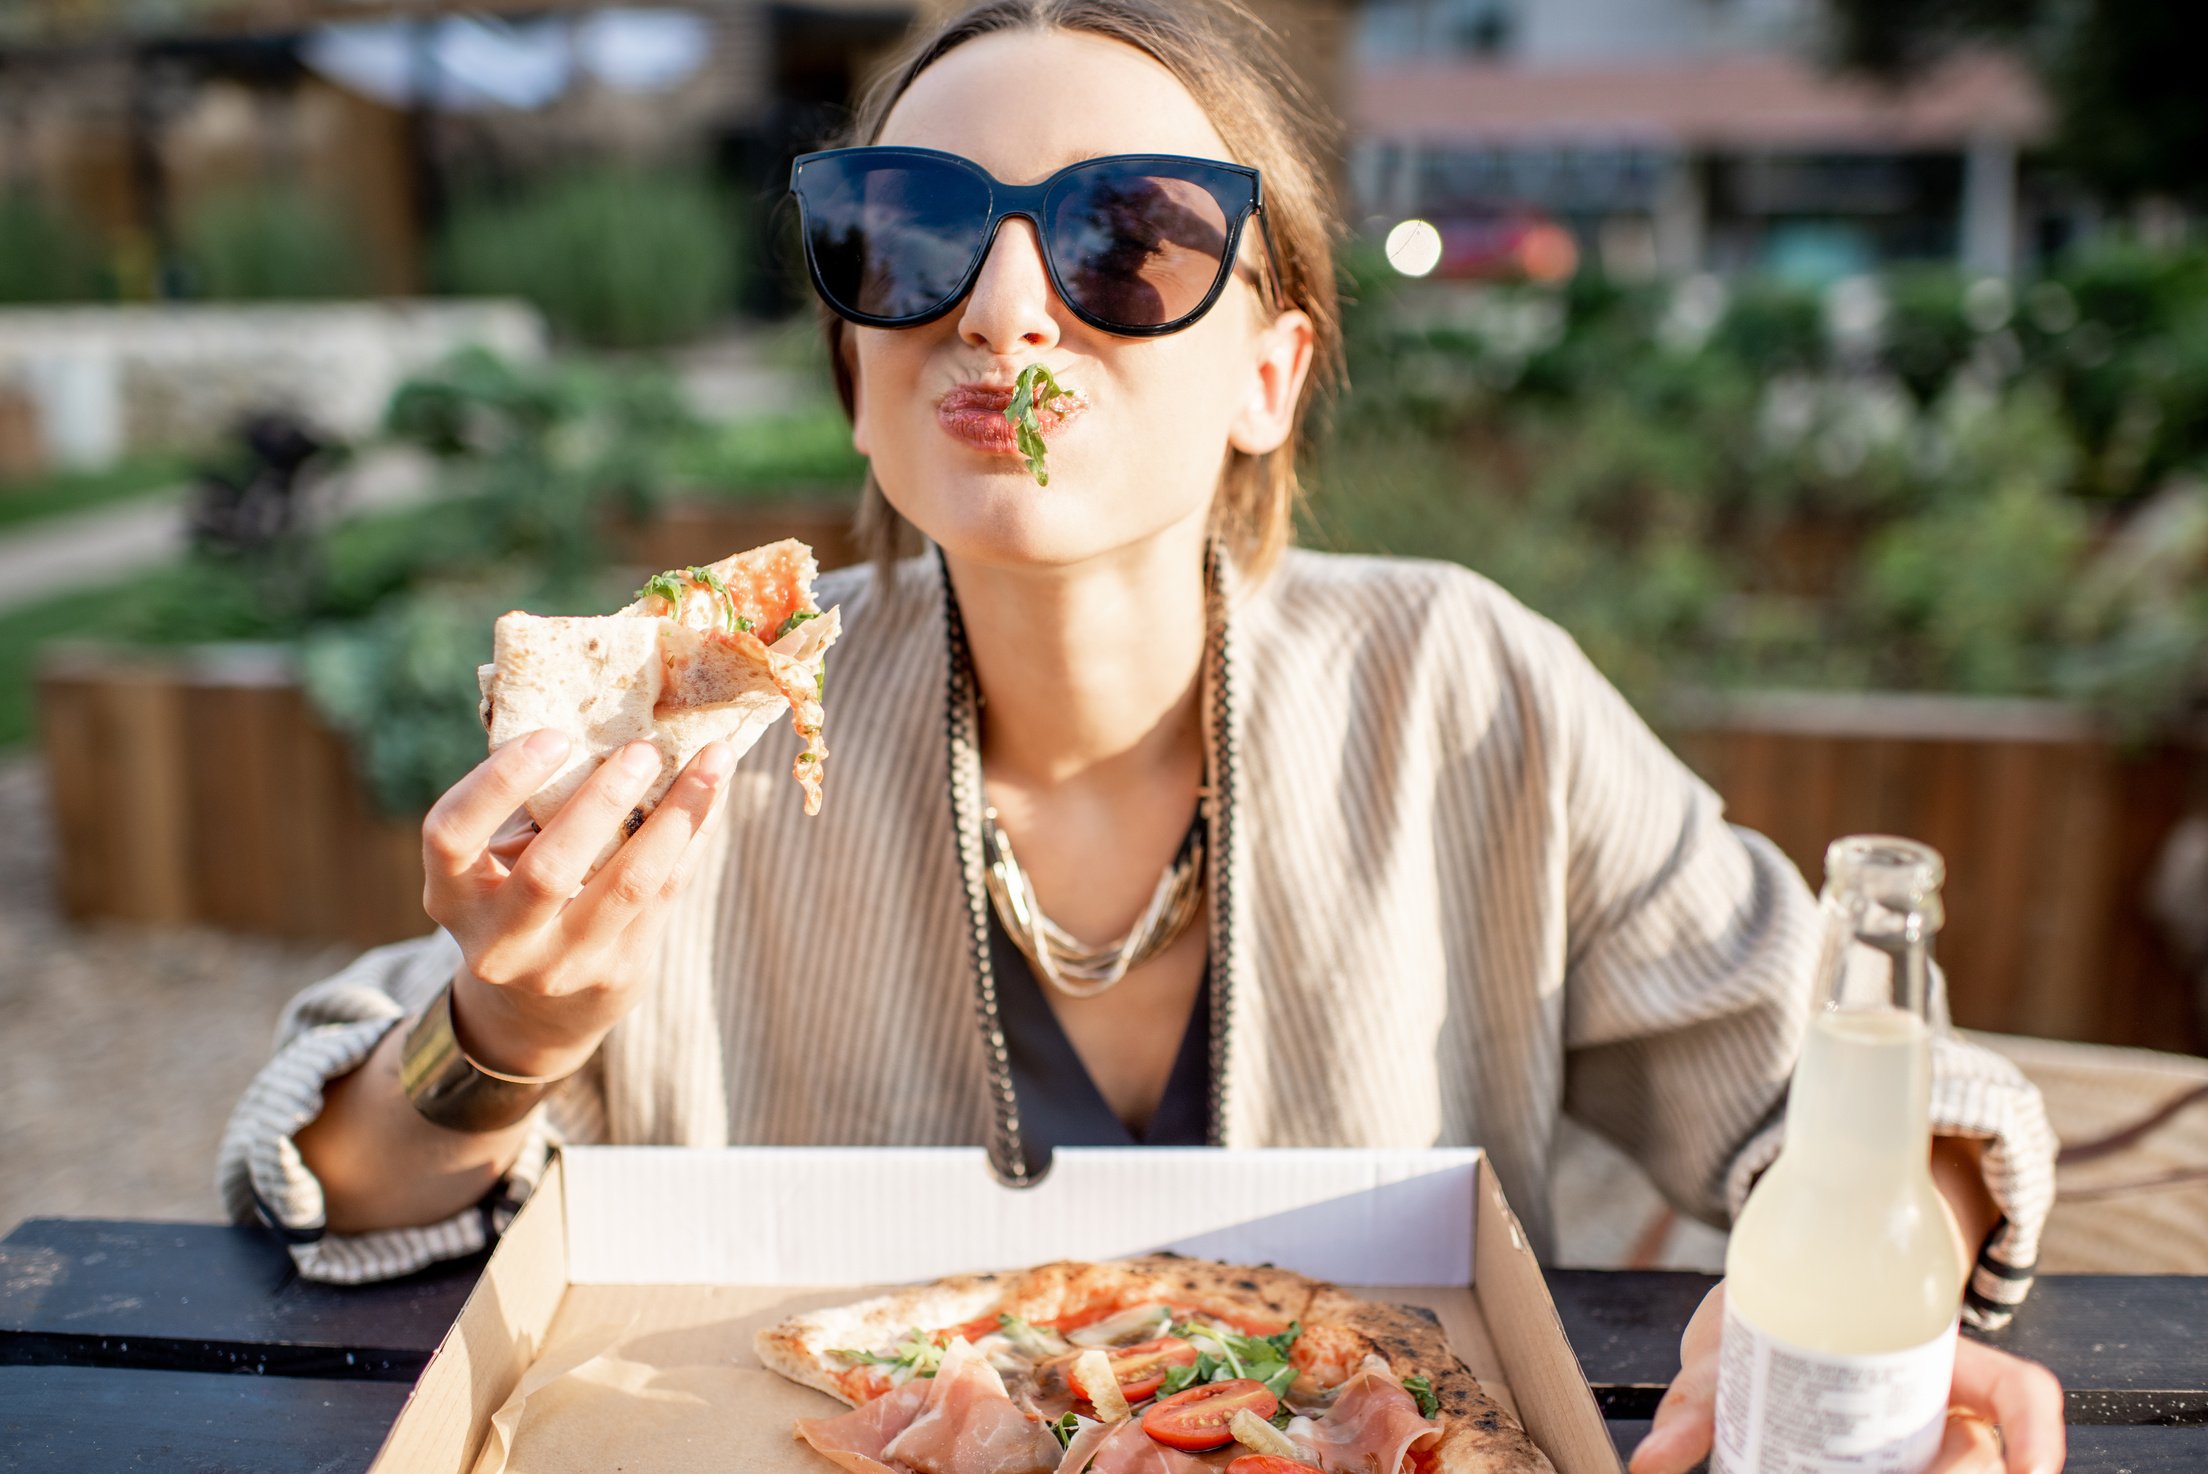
(268, 243)
(614, 258)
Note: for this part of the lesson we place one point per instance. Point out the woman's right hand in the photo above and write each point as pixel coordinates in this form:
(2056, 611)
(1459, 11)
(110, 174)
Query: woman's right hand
(552, 963)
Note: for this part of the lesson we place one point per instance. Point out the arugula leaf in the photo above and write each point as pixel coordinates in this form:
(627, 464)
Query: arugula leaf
(1282, 1417)
(666, 586)
(1181, 1378)
(1277, 1380)
(915, 1351)
(1027, 428)
(796, 618)
(1422, 1388)
(1064, 1429)
(707, 577)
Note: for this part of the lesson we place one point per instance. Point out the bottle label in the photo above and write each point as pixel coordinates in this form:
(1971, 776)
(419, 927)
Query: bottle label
(1783, 1409)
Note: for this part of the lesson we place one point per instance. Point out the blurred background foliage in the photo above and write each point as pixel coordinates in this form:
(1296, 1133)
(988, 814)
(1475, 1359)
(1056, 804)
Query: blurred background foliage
(1920, 482)
(268, 244)
(613, 257)
(1924, 482)
(45, 254)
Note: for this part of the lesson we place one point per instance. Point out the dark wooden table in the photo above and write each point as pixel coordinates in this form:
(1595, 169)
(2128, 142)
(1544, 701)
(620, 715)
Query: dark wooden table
(191, 1347)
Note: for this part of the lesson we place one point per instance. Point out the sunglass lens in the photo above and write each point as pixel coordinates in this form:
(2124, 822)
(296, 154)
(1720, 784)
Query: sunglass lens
(891, 239)
(1137, 245)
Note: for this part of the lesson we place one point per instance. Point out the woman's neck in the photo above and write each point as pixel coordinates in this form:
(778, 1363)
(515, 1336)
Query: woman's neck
(1090, 674)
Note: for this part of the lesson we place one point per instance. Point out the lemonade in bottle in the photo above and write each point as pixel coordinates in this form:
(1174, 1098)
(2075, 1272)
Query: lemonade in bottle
(1844, 1274)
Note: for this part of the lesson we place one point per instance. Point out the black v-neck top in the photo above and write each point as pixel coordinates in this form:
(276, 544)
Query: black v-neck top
(1059, 1102)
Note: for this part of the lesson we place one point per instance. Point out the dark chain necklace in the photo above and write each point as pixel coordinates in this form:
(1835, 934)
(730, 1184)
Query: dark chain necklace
(1008, 1155)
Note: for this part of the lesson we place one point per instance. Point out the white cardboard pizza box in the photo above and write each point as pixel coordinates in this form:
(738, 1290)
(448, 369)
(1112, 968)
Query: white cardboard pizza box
(645, 1270)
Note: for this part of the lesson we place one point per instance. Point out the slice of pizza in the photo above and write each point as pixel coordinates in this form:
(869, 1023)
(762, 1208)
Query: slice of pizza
(711, 653)
(1156, 1365)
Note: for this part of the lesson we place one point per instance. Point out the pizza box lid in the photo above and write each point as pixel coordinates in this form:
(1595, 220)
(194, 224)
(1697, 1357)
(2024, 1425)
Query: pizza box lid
(612, 1223)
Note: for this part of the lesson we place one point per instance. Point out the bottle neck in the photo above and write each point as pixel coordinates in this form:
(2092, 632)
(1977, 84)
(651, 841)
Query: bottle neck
(1860, 1104)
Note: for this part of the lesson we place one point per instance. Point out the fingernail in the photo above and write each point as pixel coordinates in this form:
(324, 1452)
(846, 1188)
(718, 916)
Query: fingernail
(638, 760)
(715, 763)
(546, 746)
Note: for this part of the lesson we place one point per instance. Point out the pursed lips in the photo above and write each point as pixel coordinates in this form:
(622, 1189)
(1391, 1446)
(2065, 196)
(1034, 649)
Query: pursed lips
(974, 413)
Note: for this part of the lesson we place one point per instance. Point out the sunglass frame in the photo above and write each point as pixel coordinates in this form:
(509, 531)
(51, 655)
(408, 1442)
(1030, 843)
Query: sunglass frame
(1028, 202)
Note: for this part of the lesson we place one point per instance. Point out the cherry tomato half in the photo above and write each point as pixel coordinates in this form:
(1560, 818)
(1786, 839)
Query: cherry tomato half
(1195, 1420)
(1268, 1464)
(1140, 1370)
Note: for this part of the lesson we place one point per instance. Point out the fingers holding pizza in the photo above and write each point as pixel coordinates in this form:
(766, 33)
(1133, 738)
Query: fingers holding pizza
(615, 736)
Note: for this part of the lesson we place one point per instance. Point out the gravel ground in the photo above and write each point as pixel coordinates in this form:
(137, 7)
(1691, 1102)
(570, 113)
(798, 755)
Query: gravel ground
(121, 1049)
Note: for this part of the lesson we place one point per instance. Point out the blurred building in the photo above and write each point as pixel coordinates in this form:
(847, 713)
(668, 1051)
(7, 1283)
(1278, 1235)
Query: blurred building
(1682, 135)
(134, 114)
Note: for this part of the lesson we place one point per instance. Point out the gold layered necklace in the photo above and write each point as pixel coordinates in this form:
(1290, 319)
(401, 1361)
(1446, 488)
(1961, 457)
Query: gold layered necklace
(1064, 961)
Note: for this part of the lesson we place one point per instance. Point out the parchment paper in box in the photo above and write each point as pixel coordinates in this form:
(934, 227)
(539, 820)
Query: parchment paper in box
(668, 1260)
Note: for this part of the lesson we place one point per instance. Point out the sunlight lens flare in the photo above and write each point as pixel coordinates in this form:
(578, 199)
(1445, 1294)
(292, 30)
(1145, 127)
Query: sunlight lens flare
(1414, 247)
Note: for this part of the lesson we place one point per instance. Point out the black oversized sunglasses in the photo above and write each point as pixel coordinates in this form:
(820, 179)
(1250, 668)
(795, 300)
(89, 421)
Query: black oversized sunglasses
(1135, 244)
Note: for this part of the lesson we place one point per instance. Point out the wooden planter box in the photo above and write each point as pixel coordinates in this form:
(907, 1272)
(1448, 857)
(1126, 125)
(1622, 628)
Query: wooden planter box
(198, 787)
(2050, 830)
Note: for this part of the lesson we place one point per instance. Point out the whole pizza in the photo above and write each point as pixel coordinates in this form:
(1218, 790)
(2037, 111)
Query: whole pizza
(1156, 1365)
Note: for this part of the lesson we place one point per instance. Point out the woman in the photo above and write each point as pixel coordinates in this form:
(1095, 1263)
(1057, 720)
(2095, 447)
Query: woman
(1420, 876)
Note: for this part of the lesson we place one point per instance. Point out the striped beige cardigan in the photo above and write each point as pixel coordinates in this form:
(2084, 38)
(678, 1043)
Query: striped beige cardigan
(1460, 890)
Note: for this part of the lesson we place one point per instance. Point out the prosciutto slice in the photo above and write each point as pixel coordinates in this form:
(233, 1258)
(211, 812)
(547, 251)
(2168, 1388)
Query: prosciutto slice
(968, 1425)
(858, 1439)
(1123, 1448)
(1371, 1427)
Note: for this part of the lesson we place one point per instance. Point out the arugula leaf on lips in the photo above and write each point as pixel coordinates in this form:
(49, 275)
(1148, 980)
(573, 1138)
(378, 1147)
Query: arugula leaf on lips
(1027, 427)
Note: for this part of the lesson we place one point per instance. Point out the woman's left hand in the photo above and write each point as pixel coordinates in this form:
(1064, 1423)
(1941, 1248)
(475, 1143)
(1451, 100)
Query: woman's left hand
(1993, 1391)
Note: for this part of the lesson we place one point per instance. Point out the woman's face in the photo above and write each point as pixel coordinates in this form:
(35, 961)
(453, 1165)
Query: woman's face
(1142, 457)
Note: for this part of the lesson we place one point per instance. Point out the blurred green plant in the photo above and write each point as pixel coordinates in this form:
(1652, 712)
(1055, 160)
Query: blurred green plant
(614, 258)
(268, 243)
(46, 255)
(1916, 483)
(66, 493)
(805, 454)
(550, 458)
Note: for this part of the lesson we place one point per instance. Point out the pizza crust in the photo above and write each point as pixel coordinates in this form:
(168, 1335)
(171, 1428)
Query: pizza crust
(799, 1348)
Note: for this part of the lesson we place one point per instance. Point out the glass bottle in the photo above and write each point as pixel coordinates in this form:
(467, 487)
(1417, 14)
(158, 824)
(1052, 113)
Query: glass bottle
(1844, 1274)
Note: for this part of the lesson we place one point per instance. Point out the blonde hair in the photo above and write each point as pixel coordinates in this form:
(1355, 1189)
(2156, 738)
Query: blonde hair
(1231, 64)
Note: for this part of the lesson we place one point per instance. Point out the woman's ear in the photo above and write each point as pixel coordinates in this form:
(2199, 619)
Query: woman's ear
(1267, 413)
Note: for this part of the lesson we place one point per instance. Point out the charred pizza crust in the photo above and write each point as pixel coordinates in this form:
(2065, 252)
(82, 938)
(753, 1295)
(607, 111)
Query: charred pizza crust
(1477, 1432)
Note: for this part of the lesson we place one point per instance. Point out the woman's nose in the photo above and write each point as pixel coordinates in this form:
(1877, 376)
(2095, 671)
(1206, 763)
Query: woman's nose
(1011, 307)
